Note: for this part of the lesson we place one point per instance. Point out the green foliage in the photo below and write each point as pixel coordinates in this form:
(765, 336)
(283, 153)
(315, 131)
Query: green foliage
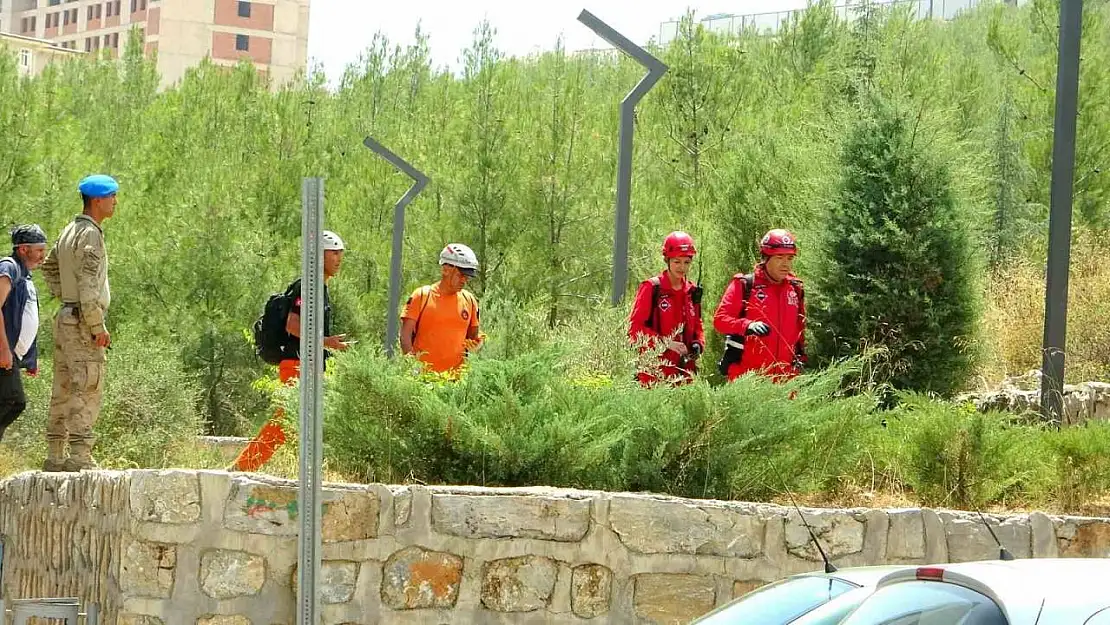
(743, 134)
(901, 271)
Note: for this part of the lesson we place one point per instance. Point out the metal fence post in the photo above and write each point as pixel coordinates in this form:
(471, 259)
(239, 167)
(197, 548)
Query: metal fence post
(312, 401)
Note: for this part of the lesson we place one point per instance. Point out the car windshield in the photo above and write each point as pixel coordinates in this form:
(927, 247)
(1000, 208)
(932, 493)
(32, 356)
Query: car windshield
(780, 603)
(926, 603)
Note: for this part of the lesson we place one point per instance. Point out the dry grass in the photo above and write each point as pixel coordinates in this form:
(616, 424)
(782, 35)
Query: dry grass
(1013, 325)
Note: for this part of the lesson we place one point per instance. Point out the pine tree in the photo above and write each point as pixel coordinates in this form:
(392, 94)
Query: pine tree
(900, 271)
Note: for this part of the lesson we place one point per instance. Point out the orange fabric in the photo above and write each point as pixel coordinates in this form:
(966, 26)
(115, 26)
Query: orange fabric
(440, 341)
(271, 435)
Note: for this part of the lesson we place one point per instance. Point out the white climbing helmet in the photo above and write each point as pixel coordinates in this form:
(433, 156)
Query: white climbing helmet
(461, 256)
(331, 241)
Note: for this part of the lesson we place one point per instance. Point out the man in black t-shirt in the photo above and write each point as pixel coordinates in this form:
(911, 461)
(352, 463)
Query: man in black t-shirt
(272, 434)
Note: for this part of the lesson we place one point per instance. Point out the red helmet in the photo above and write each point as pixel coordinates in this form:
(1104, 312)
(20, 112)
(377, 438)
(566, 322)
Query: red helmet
(778, 242)
(678, 244)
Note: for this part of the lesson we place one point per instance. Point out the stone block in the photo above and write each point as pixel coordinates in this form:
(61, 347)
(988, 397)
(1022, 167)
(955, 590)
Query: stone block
(741, 588)
(591, 587)
(518, 584)
(148, 570)
(1044, 536)
(840, 533)
(337, 581)
(271, 509)
(415, 578)
(506, 516)
(165, 496)
(128, 618)
(970, 540)
(226, 574)
(1089, 539)
(349, 515)
(224, 619)
(647, 525)
(906, 535)
(673, 599)
(402, 507)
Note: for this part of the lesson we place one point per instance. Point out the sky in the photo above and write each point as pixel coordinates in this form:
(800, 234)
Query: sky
(339, 30)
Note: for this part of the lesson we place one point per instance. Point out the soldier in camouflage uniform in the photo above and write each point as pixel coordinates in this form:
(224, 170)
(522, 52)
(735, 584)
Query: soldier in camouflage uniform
(76, 271)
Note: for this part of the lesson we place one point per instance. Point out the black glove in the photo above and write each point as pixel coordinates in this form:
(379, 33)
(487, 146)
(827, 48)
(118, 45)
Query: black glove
(758, 328)
(696, 294)
(695, 351)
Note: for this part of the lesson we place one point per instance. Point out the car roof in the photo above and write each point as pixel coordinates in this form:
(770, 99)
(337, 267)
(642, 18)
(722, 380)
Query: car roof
(1065, 587)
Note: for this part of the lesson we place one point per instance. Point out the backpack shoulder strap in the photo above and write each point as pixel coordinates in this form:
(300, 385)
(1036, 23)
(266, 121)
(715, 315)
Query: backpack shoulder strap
(654, 280)
(425, 294)
(747, 280)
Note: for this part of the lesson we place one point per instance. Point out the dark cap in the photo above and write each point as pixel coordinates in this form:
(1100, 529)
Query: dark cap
(29, 234)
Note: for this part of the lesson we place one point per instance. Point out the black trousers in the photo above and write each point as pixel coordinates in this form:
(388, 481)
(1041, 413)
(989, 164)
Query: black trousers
(12, 398)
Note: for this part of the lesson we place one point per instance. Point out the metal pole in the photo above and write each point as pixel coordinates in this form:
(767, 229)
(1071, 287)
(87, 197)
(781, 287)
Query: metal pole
(392, 323)
(1059, 221)
(656, 69)
(312, 401)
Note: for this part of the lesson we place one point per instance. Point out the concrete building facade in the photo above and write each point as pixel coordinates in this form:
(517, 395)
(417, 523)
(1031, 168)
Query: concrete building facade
(32, 55)
(272, 34)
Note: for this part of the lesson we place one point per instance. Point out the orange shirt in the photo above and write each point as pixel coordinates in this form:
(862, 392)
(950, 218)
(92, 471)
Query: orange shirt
(441, 328)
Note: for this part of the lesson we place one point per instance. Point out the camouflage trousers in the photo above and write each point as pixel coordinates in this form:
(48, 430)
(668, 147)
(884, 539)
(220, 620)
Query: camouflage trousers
(78, 383)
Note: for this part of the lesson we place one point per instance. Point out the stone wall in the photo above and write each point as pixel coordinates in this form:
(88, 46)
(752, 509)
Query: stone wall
(212, 548)
(1021, 395)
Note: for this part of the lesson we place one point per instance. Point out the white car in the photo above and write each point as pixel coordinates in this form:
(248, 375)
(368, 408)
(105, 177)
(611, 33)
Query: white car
(1039, 591)
(807, 599)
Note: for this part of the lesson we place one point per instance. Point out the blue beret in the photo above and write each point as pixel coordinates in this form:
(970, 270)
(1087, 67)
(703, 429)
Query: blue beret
(98, 185)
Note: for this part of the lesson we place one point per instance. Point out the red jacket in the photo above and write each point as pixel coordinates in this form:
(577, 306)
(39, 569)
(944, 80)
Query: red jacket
(673, 310)
(782, 307)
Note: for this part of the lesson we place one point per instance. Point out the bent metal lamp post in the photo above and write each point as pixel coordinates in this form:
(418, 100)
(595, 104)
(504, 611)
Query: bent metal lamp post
(420, 181)
(655, 69)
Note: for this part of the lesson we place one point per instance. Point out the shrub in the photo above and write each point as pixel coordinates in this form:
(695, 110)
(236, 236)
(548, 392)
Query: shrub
(900, 270)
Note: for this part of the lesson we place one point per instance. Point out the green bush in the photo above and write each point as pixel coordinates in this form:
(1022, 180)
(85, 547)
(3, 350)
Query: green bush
(149, 417)
(900, 271)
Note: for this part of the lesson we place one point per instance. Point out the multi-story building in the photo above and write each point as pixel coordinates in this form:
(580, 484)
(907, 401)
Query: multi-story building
(32, 55)
(273, 34)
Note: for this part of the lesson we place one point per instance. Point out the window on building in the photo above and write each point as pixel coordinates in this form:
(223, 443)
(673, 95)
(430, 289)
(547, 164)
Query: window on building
(23, 25)
(116, 7)
(244, 9)
(142, 5)
(242, 43)
(89, 14)
(108, 10)
(25, 58)
(98, 13)
(73, 16)
(66, 20)
(107, 40)
(34, 23)
(134, 5)
(115, 40)
(88, 44)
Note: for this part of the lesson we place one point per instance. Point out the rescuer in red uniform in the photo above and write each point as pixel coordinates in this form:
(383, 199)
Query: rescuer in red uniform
(667, 313)
(763, 314)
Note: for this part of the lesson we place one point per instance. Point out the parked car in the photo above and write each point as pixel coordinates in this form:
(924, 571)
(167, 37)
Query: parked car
(807, 599)
(1039, 591)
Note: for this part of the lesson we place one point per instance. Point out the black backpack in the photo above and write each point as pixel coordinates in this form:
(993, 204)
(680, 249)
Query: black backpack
(270, 337)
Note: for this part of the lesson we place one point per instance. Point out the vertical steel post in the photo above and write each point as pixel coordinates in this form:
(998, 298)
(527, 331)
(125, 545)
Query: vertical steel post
(392, 322)
(655, 69)
(1059, 221)
(312, 401)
